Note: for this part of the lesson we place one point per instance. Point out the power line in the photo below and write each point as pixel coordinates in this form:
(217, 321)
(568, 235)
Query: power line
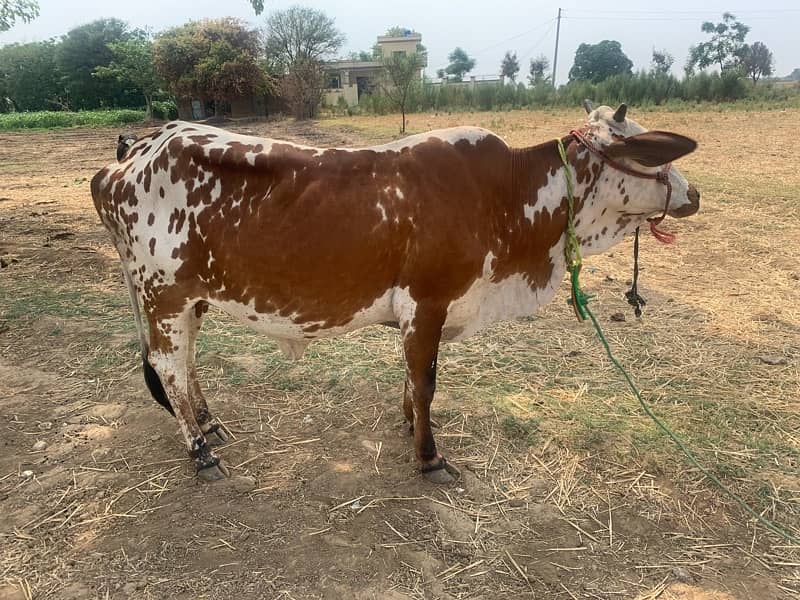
(538, 43)
(657, 18)
(684, 12)
(674, 15)
(513, 37)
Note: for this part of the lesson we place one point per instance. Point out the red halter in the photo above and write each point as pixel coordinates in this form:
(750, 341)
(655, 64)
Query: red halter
(662, 177)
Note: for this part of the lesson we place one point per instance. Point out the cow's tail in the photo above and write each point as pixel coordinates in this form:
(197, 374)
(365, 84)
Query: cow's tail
(151, 378)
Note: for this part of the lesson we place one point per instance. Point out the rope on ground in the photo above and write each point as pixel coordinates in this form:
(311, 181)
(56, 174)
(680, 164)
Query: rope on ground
(580, 303)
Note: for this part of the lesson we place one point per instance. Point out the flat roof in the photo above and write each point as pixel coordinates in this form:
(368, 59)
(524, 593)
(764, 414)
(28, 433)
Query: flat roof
(354, 64)
(411, 37)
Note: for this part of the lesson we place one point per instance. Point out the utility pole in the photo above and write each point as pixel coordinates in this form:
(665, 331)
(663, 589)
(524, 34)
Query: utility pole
(555, 56)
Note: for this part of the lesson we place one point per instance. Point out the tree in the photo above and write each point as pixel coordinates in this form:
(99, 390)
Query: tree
(301, 33)
(395, 31)
(29, 78)
(216, 59)
(756, 60)
(596, 62)
(661, 62)
(460, 65)
(724, 47)
(298, 40)
(13, 10)
(794, 75)
(401, 75)
(84, 49)
(361, 56)
(302, 87)
(133, 62)
(510, 66)
(538, 69)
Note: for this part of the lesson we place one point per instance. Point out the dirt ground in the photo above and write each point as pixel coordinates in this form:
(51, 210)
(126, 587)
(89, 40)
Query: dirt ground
(566, 490)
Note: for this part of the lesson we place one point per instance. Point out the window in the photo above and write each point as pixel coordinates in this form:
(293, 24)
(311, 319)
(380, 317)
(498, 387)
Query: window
(398, 53)
(335, 82)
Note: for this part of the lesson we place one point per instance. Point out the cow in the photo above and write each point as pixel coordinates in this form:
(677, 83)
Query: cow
(438, 234)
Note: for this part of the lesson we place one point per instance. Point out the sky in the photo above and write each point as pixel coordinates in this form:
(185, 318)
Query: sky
(485, 29)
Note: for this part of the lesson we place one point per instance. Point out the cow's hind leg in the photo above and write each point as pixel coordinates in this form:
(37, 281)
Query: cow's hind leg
(169, 357)
(421, 336)
(211, 427)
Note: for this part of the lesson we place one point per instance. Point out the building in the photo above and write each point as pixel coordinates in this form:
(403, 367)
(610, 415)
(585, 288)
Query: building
(350, 79)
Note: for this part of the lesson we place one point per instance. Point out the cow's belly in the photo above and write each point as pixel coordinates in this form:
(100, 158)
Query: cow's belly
(486, 302)
(294, 335)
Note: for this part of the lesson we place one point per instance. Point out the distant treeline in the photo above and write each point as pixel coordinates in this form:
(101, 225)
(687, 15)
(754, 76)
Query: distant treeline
(642, 89)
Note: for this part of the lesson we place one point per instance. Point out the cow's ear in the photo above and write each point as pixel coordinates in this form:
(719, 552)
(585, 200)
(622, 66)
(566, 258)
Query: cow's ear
(652, 148)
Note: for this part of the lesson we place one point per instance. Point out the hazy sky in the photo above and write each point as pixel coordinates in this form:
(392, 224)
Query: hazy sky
(485, 28)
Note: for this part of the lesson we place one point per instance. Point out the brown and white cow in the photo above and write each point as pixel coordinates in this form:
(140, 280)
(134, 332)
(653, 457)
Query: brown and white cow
(439, 234)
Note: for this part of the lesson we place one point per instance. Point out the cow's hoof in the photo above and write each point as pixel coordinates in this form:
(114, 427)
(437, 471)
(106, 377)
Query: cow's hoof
(441, 473)
(216, 436)
(215, 472)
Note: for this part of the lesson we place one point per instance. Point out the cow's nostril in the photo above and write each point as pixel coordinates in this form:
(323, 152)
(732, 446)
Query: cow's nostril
(693, 194)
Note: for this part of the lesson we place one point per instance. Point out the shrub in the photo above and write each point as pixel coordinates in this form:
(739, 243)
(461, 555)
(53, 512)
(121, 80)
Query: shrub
(51, 119)
(165, 110)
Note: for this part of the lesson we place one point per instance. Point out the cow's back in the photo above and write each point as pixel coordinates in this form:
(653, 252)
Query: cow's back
(319, 237)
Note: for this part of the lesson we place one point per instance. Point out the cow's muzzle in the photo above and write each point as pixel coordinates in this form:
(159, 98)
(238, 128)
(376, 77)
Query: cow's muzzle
(687, 210)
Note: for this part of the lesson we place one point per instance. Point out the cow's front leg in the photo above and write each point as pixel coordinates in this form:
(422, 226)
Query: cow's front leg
(421, 336)
(169, 358)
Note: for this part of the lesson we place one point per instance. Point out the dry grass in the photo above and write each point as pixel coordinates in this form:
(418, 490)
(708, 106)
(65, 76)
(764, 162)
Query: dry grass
(568, 491)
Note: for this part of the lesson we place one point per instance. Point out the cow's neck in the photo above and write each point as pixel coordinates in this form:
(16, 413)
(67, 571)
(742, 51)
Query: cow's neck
(539, 186)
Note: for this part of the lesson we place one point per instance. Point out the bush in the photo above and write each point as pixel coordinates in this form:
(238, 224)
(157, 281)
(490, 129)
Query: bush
(165, 110)
(51, 119)
(640, 89)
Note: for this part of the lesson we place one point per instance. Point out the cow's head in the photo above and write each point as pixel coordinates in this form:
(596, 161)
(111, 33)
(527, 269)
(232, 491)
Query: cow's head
(124, 142)
(622, 201)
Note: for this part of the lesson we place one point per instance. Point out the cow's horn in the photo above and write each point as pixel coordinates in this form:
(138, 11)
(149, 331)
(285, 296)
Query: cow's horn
(587, 104)
(619, 116)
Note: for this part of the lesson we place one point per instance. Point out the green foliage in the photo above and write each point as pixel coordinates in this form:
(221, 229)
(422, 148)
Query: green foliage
(362, 56)
(724, 47)
(133, 62)
(165, 110)
(395, 31)
(28, 77)
(756, 61)
(81, 51)
(510, 66)
(645, 88)
(216, 59)
(52, 119)
(460, 65)
(13, 10)
(662, 62)
(596, 62)
(537, 71)
(401, 74)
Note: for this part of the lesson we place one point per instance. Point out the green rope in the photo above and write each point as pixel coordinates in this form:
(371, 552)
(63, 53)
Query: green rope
(581, 305)
(572, 249)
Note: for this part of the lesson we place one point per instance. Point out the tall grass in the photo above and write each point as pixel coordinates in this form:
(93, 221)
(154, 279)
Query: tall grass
(639, 89)
(52, 119)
